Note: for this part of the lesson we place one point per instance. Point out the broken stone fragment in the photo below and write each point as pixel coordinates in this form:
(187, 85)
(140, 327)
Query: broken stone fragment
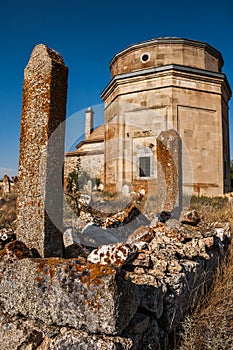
(71, 236)
(190, 218)
(94, 236)
(142, 233)
(150, 292)
(131, 213)
(113, 254)
(174, 267)
(73, 246)
(25, 334)
(207, 242)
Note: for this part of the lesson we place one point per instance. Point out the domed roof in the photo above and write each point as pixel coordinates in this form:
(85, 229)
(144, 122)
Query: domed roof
(164, 51)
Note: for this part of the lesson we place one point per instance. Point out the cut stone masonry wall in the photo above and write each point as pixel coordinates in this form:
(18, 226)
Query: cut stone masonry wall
(57, 303)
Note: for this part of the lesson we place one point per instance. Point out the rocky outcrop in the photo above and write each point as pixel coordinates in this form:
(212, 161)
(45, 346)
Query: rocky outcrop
(56, 303)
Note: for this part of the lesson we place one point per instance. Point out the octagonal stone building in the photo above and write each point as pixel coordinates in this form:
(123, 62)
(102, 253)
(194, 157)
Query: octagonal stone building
(158, 85)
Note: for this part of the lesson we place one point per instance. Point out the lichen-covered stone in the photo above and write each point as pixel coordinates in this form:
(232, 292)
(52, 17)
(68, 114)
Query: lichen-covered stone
(75, 340)
(168, 170)
(68, 292)
(56, 304)
(126, 216)
(113, 254)
(41, 157)
(143, 233)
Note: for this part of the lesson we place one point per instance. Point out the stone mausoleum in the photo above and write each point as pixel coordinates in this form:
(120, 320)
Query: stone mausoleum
(159, 85)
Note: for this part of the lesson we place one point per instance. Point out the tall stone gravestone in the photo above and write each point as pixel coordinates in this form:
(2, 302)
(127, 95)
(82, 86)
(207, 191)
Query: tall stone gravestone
(169, 173)
(40, 194)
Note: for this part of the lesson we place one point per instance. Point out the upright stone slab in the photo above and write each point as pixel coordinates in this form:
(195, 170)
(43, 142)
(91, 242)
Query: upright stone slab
(6, 184)
(40, 193)
(169, 172)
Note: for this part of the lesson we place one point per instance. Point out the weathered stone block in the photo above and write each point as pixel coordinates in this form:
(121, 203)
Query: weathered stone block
(69, 293)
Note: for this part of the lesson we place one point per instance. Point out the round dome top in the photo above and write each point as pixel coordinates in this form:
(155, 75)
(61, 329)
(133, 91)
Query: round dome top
(164, 51)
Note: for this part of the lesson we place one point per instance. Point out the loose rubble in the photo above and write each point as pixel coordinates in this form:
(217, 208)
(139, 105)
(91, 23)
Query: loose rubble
(190, 218)
(129, 295)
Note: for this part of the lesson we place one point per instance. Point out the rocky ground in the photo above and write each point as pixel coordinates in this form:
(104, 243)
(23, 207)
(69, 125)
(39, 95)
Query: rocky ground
(125, 283)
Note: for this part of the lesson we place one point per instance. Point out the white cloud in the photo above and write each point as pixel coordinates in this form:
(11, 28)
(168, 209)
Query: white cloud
(10, 172)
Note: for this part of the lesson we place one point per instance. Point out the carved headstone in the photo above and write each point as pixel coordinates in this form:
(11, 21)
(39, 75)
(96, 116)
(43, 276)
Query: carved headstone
(6, 184)
(169, 171)
(125, 190)
(40, 192)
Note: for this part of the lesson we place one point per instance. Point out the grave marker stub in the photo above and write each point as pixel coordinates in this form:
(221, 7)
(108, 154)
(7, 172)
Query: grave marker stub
(169, 172)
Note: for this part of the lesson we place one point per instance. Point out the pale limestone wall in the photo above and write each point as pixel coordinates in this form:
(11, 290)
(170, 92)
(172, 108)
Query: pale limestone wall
(193, 102)
(91, 156)
(69, 164)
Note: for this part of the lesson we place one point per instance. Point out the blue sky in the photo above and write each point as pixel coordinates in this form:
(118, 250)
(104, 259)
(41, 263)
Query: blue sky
(88, 34)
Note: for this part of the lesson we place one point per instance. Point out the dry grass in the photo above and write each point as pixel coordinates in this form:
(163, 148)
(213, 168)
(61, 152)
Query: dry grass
(210, 327)
(8, 211)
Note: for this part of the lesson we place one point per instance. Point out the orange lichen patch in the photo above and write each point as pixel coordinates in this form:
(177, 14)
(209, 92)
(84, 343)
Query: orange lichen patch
(94, 273)
(98, 272)
(51, 273)
(88, 273)
(47, 266)
(48, 262)
(38, 279)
